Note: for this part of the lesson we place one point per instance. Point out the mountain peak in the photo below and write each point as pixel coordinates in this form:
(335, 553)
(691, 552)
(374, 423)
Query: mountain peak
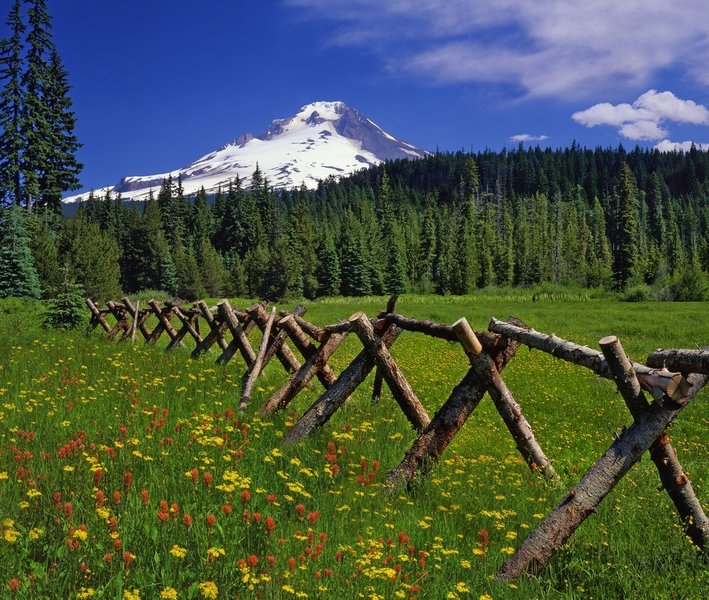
(323, 139)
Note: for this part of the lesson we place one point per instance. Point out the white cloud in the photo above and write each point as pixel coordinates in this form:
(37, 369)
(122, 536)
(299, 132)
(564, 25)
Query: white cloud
(668, 146)
(569, 48)
(526, 137)
(643, 119)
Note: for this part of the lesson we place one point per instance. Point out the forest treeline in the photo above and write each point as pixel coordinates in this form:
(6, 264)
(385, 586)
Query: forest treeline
(633, 222)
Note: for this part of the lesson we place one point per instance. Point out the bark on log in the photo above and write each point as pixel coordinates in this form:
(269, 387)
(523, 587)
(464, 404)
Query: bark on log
(379, 375)
(97, 318)
(216, 331)
(138, 319)
(399, 386)
(240, 340)
(326, 405)
(658, 382)
(313, 331)
(188, 319)
(316, 364)
(255, 367)
(685, 361)
(280, 338)
(450, 418)
(121, 322)
(672, 476)
(285, 354)
(595, 485)
(506, 406)
(164, 315)
(300, 340)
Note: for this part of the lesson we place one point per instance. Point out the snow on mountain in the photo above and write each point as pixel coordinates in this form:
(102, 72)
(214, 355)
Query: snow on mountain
(323, 139)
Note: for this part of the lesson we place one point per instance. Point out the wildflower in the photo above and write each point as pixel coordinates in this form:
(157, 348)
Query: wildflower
(134, 595)
(178, 551)
(462, 587)
(117, 497)
(269, 524)
(215, 553)
(209, 590)
(187, 520)
(144, 496)
(313, 516)
(227, 509)
(128, 558)
(169, 593)
(127, 479)
(211, 520)
(85, 593)
(13, 584)
(245, 497)
(300, 510)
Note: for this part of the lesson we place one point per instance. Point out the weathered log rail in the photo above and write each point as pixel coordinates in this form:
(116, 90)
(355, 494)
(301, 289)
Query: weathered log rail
(672, 378)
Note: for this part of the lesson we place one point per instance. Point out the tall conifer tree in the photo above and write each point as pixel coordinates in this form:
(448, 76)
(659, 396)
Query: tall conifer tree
(11, 98)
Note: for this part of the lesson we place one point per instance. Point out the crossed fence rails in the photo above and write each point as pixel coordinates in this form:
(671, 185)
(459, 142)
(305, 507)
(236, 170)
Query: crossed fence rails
(672, 378)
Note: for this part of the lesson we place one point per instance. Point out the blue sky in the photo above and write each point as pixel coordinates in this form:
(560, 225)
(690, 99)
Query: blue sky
(157, 83)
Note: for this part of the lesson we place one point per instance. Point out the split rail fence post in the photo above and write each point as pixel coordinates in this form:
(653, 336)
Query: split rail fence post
(674, 480)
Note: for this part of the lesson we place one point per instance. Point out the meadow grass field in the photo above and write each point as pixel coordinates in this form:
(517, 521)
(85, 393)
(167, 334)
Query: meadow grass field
(127, 472)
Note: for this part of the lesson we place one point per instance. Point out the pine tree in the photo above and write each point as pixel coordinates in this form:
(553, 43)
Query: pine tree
(11, 101)
(43, 245)
(626, 255)
(91, 258)
(212, 268)
(189, 280)
(36, 125)
(18, 276)
(62, 169)
(328, 269)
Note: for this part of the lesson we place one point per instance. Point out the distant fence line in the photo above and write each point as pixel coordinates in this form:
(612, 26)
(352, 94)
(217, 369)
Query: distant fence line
(672, 378)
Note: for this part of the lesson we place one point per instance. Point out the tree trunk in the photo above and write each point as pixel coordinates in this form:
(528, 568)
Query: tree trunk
(595, 485)
(163, 315)
(216, 331)
(685, 361)
(328, 403)
(255, 367)
(240, 340)
(97, 318)
(188, 321)
(447, 422)
(672, 476)
(659, 383)
(506, 406)
(285, 355)
(399, 386)
(280, 338)
(316, 364)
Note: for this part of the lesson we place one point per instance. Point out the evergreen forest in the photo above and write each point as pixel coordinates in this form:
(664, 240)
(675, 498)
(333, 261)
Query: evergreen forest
(634, 223)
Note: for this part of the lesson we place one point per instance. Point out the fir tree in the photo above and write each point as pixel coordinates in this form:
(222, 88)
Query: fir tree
(626, 255)
(36, 125)
(62, 170)
(328, 269)
(43, 245)
(91, 258)
(11, 101)
(18, 276)
(66, 310)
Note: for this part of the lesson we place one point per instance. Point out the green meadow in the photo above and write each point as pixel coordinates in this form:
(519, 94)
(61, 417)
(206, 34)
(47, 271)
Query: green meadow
(128, 472)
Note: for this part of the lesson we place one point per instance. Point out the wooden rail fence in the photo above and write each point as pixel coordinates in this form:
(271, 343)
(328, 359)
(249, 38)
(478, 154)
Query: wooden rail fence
(672, 378)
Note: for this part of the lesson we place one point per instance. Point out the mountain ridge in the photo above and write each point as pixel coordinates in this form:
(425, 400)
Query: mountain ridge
(323, 139)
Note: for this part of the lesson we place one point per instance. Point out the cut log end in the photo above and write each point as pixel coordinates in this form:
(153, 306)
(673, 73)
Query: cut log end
(609, 340)
(467, 337)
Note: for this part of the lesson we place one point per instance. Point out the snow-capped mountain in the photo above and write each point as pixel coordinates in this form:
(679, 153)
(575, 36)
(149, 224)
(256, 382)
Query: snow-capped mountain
(320, 140)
